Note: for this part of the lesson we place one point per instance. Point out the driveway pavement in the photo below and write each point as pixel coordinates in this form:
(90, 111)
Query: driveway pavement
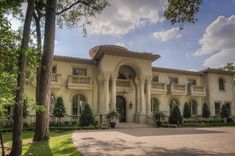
(156, 141)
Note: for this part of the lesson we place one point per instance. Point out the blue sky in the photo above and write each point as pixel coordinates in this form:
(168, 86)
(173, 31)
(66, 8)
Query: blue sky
(139, 25)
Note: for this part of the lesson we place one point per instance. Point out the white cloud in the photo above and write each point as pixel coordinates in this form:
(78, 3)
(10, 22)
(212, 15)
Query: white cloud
(168, 34)
(125, 15)
(218, 41)
(122, 44)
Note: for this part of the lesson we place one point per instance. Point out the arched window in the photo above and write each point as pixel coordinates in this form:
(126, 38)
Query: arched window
(154, 105)
(221, 84)
(53, 101)
(78, 101)
(173, 102)
(193, 105)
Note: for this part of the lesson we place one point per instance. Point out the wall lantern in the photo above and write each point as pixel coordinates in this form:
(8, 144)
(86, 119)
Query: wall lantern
(125, 94)
(131, 105)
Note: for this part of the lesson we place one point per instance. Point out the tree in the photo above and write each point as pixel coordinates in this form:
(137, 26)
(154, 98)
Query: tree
(175, 116)
(205, 111)
(18, 108)
(187, 111)
(224, 111)
(228, 67)
(182, 11)
(69, 13)
(59, 109)
(87, 117)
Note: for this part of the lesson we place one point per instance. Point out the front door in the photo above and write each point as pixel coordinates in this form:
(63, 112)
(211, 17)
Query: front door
(121, 108)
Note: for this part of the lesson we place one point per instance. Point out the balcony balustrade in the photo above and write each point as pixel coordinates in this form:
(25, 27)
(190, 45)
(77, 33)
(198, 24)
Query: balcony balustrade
(177, 89)
(79, 82)
(123, 83)
(56, 80)
(195, 90)
(159, 88)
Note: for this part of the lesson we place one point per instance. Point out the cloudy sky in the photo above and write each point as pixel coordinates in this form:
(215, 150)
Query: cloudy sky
(139, 25)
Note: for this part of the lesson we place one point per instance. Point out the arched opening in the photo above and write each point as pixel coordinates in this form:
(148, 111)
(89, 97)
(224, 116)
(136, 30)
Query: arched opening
(154, 105)
(126, 72)
(121, 107)
(194, 107)
(173, 102)
(77, 103)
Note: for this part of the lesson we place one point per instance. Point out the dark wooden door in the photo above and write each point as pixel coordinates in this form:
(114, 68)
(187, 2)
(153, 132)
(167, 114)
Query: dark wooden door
(121, 108)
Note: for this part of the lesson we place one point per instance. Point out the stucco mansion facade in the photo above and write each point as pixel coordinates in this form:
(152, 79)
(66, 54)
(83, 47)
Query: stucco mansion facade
(116, 78)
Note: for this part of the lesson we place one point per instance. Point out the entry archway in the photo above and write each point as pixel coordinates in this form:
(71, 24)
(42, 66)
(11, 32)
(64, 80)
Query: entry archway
(121, 108)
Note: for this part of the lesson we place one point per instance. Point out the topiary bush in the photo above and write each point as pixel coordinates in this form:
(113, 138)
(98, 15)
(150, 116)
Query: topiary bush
(205, 111)
(175, 116)
(87, 117)
(224, 112)
(187, 111)
(59, 109)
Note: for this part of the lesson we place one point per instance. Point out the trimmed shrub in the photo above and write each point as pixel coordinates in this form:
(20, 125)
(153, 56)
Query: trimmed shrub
(87, 117)
(187, 111)
(59, 109)
(205, 111)
(224, 112)
(175, 116)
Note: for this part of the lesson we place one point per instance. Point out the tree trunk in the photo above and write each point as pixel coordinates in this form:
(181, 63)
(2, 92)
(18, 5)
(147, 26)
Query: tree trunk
(44, 96)
(16, 149)
(2, 144)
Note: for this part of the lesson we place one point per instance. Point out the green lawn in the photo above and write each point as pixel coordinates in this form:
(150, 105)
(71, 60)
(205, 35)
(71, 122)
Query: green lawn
(60, 143)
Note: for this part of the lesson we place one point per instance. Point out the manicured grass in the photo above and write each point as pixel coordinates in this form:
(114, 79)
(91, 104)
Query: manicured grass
(60, 143)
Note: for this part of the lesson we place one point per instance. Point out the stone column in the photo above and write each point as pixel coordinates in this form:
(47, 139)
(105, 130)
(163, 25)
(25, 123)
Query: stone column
(148, 92)
(137, 96)
(106, 93)
(113, 103)
(100, 107)
(142, 96)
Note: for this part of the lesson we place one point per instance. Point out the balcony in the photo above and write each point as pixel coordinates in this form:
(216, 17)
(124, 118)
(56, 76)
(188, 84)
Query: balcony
(79, 82)
(123, 83)
(177, 89)
(195, 90)
(159, 88)
(56, 81)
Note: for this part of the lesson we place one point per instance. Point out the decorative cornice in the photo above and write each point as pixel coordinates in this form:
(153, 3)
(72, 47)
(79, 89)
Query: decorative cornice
(74, 60)
(217, 71)
(99, 51)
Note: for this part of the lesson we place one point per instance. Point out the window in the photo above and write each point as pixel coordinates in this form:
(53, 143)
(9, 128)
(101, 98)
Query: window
(217, 109)
(54, 69)
(193, 106)
(80, 71)
(155, 79)
(228, 106)
(221, 84)
(173, 102)
(173, 80)
(78, 102)
(192, 82)
(53, 101)
(154, 105)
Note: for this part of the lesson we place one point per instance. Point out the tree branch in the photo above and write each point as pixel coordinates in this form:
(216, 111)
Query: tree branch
(65, 9)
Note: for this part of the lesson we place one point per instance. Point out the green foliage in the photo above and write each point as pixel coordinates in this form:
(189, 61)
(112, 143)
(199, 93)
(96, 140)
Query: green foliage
(228, 67)
(158, 116)
(59, 109)
(113, 116)
(187, 111)
(205, 111)
(182, 11)
(224, 111)
(87, 117)
(175, 116)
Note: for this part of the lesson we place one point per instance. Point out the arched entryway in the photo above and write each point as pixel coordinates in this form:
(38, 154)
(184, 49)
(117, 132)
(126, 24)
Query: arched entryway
(121, 108)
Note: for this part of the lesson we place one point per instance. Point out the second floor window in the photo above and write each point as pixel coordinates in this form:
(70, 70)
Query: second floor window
(54, 69)
(192, 82)
(221, 84)
(173, 80)
(217, 109)
(80, 71)
(155, 79)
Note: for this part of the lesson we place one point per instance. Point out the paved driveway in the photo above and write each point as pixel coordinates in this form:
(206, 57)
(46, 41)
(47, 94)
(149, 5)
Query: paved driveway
(157, 141)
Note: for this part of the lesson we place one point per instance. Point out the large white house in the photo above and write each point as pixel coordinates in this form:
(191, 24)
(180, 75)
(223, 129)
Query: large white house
(116, 78)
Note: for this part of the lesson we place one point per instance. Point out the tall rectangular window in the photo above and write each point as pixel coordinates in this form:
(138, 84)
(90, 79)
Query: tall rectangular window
(54, 69)
(221, 84)
(80, 71)
(173, 80)
(155, 78)
(217, 109)
(228, 106)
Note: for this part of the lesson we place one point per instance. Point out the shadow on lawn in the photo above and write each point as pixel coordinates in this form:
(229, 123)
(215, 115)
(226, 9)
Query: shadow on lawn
(39, 149)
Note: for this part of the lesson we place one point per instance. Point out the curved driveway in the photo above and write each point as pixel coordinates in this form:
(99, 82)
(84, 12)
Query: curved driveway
(156, 141)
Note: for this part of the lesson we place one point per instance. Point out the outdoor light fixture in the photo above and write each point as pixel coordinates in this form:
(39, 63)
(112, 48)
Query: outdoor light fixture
(131, 105)
(125, 93)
